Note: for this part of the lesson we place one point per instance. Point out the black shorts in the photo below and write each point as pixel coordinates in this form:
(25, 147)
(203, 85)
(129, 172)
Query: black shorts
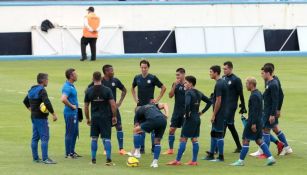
(216, 134)
(191, 127)
(101, 126)
(177, 120)
(157, 125)
(219, 123)
(250, 135)
(230, 118)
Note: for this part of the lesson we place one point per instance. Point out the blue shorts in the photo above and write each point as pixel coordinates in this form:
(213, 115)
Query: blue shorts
(250, 135)
(267, 123)
(156, 125)
(218, 124)
(191, 127)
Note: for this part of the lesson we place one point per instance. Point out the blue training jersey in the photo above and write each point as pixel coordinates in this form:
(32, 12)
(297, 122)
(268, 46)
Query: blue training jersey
(72, 96)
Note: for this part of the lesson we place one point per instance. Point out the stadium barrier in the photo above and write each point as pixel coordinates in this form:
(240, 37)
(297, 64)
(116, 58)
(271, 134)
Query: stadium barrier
(179, 29)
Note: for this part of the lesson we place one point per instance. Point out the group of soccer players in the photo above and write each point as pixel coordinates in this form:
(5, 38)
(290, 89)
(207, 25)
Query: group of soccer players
(151, 115)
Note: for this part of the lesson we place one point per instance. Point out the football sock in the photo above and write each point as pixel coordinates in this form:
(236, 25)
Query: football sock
(181, 150)
(94, 148)
(281, 136)
(195, 151)
(171, 139)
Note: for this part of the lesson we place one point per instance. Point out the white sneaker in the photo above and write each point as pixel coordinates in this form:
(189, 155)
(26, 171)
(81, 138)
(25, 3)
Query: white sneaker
(257, 153)
(154, 164)
(287, 150)
(135, 154)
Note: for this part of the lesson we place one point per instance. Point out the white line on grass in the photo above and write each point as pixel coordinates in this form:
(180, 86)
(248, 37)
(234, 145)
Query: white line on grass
(20, 92)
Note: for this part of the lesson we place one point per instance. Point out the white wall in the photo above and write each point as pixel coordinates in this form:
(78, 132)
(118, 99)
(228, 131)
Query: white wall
(156, 17)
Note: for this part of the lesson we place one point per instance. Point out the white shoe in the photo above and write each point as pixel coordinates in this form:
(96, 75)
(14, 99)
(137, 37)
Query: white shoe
(257, 153)
(135, 154)
(154, 164)
(287, 150)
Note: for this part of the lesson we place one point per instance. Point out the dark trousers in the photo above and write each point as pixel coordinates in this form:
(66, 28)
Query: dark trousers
(84, 43)
(234, 134)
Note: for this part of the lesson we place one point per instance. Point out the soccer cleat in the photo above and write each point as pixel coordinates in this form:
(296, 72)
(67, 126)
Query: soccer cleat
(286, 150)
(191, 163)
(93, 162)
(169, 152)
(76, 155)
(49, 161)
(271, 161)
(208, 157)
(238, 163)
(280, 147)
(122, 152)
(37, 160)
(134, 154)
(174, 163)
(220, 158)
(257, 153)
(154, 164)
(237, 150)
(71, 156)
(109, 163)
(262, 156)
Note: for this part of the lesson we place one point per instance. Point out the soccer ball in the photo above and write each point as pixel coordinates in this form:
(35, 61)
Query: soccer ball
(43, 108)
(133, 162)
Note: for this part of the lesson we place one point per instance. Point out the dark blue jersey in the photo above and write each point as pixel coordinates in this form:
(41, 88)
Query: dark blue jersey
(235, 89)
(98, 96)
(221, 90)
(271, 98)
(255, 109)
(179, 98)
(146, 87)
(193, 98)
(147, 112)
(112, 83)
(280, 93)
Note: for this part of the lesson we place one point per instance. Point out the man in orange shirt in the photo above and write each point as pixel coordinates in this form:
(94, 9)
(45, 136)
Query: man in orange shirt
(90, 33)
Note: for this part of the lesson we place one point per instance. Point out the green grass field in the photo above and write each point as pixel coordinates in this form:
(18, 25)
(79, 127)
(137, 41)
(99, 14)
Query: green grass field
(15, 125)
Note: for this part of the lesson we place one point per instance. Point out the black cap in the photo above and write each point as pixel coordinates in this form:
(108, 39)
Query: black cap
(91, 9)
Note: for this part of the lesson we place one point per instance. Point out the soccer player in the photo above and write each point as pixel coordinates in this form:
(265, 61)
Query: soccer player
(253, 128)
(148, 118)
(279, 144)
(219, 114)
(40, 129)
(70, 100)
(145, 83)
(103, 115)
(191, 125)
(178, 114)
(271, 102)
(235, 90)
(114, 83)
